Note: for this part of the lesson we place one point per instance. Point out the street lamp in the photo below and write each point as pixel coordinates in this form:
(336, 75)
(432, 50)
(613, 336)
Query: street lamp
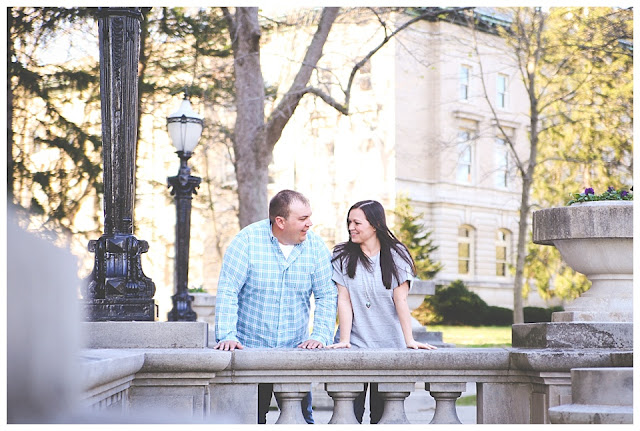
(185, 128)
(118, 289)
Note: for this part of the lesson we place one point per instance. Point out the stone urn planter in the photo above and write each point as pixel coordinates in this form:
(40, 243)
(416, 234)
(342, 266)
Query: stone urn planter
(204, 304)
(595, 239)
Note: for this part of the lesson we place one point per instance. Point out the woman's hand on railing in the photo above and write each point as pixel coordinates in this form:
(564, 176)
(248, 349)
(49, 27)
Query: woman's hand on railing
(413, 344)
(341, 345)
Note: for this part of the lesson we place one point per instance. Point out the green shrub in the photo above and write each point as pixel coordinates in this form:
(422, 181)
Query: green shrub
(457, 305)
(539, 314)
(498, 316)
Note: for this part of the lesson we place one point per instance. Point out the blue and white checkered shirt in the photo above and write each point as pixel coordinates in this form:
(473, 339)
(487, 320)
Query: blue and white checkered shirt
(263, 298)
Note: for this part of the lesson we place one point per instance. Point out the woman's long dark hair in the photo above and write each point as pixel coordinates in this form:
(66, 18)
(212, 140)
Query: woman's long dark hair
(350, 253)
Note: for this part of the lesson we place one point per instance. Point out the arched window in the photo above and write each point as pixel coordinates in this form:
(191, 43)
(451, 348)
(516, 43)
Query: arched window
(503, 238)
(465, 249)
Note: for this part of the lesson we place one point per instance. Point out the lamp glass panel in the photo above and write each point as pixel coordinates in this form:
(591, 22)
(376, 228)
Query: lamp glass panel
(185, 134)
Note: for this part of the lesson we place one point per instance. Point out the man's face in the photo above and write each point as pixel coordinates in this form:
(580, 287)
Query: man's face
(295, 227)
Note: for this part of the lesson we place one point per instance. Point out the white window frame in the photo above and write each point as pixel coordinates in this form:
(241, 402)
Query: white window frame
(502, 92)
(503, 241)
(464, 80)
(465, 239)
(464, 166)
(503, 165)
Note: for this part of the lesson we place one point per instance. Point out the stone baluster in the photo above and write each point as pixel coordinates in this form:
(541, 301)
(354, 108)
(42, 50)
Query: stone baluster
(446, 395)
(343, 395)
(291, 395)
(394, 395)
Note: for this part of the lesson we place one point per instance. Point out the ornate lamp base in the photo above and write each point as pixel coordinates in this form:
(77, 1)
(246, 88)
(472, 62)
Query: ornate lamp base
(120, 309)
(118, 289)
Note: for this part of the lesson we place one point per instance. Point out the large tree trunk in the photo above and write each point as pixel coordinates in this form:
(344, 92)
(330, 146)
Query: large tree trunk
(523, 227)
(528, 174)
(254, 139)
(249, 144)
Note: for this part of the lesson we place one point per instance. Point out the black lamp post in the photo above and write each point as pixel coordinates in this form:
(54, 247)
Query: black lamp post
(117, 288)
(185, 128)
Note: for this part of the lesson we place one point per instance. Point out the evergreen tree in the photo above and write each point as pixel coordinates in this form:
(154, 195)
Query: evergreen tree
(53, 155)
(412, 233)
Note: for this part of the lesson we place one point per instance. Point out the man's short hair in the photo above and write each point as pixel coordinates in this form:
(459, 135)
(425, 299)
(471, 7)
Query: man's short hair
(281, 203)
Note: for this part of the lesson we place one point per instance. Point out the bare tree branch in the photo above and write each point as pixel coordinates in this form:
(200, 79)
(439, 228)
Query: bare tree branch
(496, 117)
(283, 112)
(328, 100)
(343, 108)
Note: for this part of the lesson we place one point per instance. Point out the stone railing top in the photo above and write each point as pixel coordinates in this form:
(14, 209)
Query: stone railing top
(600, 219)
(370, 359)
(99, 366)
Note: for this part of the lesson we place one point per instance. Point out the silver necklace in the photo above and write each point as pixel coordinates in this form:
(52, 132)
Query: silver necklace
(374, 262)
(366, 294)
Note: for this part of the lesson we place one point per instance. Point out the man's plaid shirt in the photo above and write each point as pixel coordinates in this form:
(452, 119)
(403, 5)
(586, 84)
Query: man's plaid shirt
(263, 299)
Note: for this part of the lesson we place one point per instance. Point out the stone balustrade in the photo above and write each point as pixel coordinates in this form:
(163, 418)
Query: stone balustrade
(206, 385)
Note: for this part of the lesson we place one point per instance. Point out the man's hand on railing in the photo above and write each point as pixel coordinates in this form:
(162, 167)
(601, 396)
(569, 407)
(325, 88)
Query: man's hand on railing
(311, 344)
(228, 345)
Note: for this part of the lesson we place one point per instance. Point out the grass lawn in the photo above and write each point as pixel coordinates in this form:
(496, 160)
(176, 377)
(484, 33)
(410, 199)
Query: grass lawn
(474, 336)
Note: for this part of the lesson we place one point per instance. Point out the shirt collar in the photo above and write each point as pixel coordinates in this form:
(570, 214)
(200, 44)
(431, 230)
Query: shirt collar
(274, 240)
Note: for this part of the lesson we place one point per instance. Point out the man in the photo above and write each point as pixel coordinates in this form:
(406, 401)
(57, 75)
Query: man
(269, 272)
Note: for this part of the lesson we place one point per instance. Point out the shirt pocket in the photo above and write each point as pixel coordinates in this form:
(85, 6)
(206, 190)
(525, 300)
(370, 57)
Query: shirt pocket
(298, 278)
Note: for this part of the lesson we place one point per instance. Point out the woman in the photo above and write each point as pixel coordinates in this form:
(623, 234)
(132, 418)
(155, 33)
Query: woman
(373, 271)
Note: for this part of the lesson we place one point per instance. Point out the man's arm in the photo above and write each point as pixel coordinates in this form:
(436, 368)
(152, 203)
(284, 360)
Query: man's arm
(326, 297)
(233, 275)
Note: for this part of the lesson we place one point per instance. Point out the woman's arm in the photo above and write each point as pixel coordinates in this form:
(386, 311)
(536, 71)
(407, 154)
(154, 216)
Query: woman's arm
(404, 316)
(345, 316)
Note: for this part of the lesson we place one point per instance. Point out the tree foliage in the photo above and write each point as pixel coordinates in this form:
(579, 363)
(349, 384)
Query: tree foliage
(53, 147)
(572, 61)
(586, 138)
(412, 233)
(575, 62)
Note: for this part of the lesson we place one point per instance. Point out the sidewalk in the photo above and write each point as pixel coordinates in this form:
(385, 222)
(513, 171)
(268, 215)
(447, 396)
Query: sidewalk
(419, 407)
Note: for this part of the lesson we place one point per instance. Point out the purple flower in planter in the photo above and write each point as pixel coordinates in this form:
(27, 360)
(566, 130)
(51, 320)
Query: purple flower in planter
(611, 189)
(623, 193)
(589, 191)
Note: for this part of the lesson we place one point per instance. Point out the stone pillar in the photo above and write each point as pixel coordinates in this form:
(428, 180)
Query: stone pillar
(291, 395)
(117, 288)
(446, 395)
(343, 395)
(600, 395)
(506, 403)
(394, 395)
(234, 403)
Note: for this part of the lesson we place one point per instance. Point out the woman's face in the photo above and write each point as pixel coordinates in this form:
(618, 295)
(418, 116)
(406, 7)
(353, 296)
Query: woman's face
(360, 230)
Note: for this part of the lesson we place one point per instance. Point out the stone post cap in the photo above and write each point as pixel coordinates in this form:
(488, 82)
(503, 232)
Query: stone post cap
(600, 219)
(426, 287)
